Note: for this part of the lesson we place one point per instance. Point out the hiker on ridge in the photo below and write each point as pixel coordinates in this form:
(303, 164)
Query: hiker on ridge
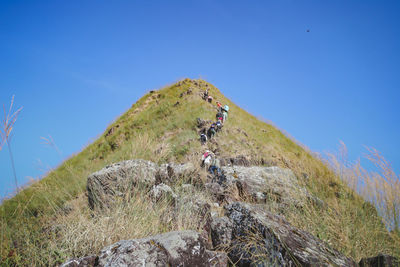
(203, 138)
(225, 110)
(212, 130)
(219, 126)
(218, 115)
(219, 106)
(215, 166)
(206, 159)
(205, 94)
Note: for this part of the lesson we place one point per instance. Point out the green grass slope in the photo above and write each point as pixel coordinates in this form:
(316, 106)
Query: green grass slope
(161, 127)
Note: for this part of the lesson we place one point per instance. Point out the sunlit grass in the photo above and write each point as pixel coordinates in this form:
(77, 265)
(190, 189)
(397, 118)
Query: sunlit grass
(156, 129)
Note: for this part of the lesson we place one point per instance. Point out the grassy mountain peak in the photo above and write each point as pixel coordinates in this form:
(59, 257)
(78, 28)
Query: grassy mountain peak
(162, 127)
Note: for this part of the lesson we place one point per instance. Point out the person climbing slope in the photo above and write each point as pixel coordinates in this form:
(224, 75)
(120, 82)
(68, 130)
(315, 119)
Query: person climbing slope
(205, 94)
(218, 115)
(212, 130)
(219, 126)
(225, 110)
(219, 106)
(206, 159)
(203, 138)
(215, 166)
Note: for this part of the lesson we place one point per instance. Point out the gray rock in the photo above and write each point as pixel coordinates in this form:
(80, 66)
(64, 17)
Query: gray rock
(199, 210)
(162, 191)
(171, 172)
(379, 261)
(260, 238)
(178, 170)
(216, 190)
(192, 204)
(221, 232)
(118, 180)
(185, 248)
(265, 184)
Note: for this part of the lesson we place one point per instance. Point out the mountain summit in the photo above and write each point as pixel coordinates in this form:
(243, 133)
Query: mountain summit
(266, 201)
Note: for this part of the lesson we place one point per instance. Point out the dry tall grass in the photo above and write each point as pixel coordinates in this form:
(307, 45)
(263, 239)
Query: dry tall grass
(6, 127)
(381, 187)
(84, 232)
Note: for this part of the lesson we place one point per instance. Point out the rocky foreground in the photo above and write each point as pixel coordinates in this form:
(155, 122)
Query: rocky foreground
(246, 234)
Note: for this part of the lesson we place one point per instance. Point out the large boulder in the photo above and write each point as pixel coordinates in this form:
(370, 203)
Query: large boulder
(117, 180)
(221, 232)
(183, 248)
(267, 184)
(259, 238)
(171, 172)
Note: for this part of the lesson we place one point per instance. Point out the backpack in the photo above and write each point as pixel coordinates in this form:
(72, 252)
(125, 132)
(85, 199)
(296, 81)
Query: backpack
(226, 107)
(219, 114)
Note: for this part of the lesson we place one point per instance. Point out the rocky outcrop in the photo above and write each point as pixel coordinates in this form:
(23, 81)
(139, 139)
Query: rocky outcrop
(266, 184)
(117, 181)
(171, 172)
(221, 232)
(184, 248)
(192, 203)
(379, 261)
(251, 235)
(259, 238)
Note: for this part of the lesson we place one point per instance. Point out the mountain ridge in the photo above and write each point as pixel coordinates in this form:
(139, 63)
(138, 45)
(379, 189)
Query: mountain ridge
(162, 127)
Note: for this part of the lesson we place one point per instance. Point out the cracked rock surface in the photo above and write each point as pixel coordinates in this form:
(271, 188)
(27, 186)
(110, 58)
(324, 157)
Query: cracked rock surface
(116, 181)
(260, 238)
(267, 184)
(180, 248)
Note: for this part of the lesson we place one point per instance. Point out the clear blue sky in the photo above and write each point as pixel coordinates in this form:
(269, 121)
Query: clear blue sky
(76, 65)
